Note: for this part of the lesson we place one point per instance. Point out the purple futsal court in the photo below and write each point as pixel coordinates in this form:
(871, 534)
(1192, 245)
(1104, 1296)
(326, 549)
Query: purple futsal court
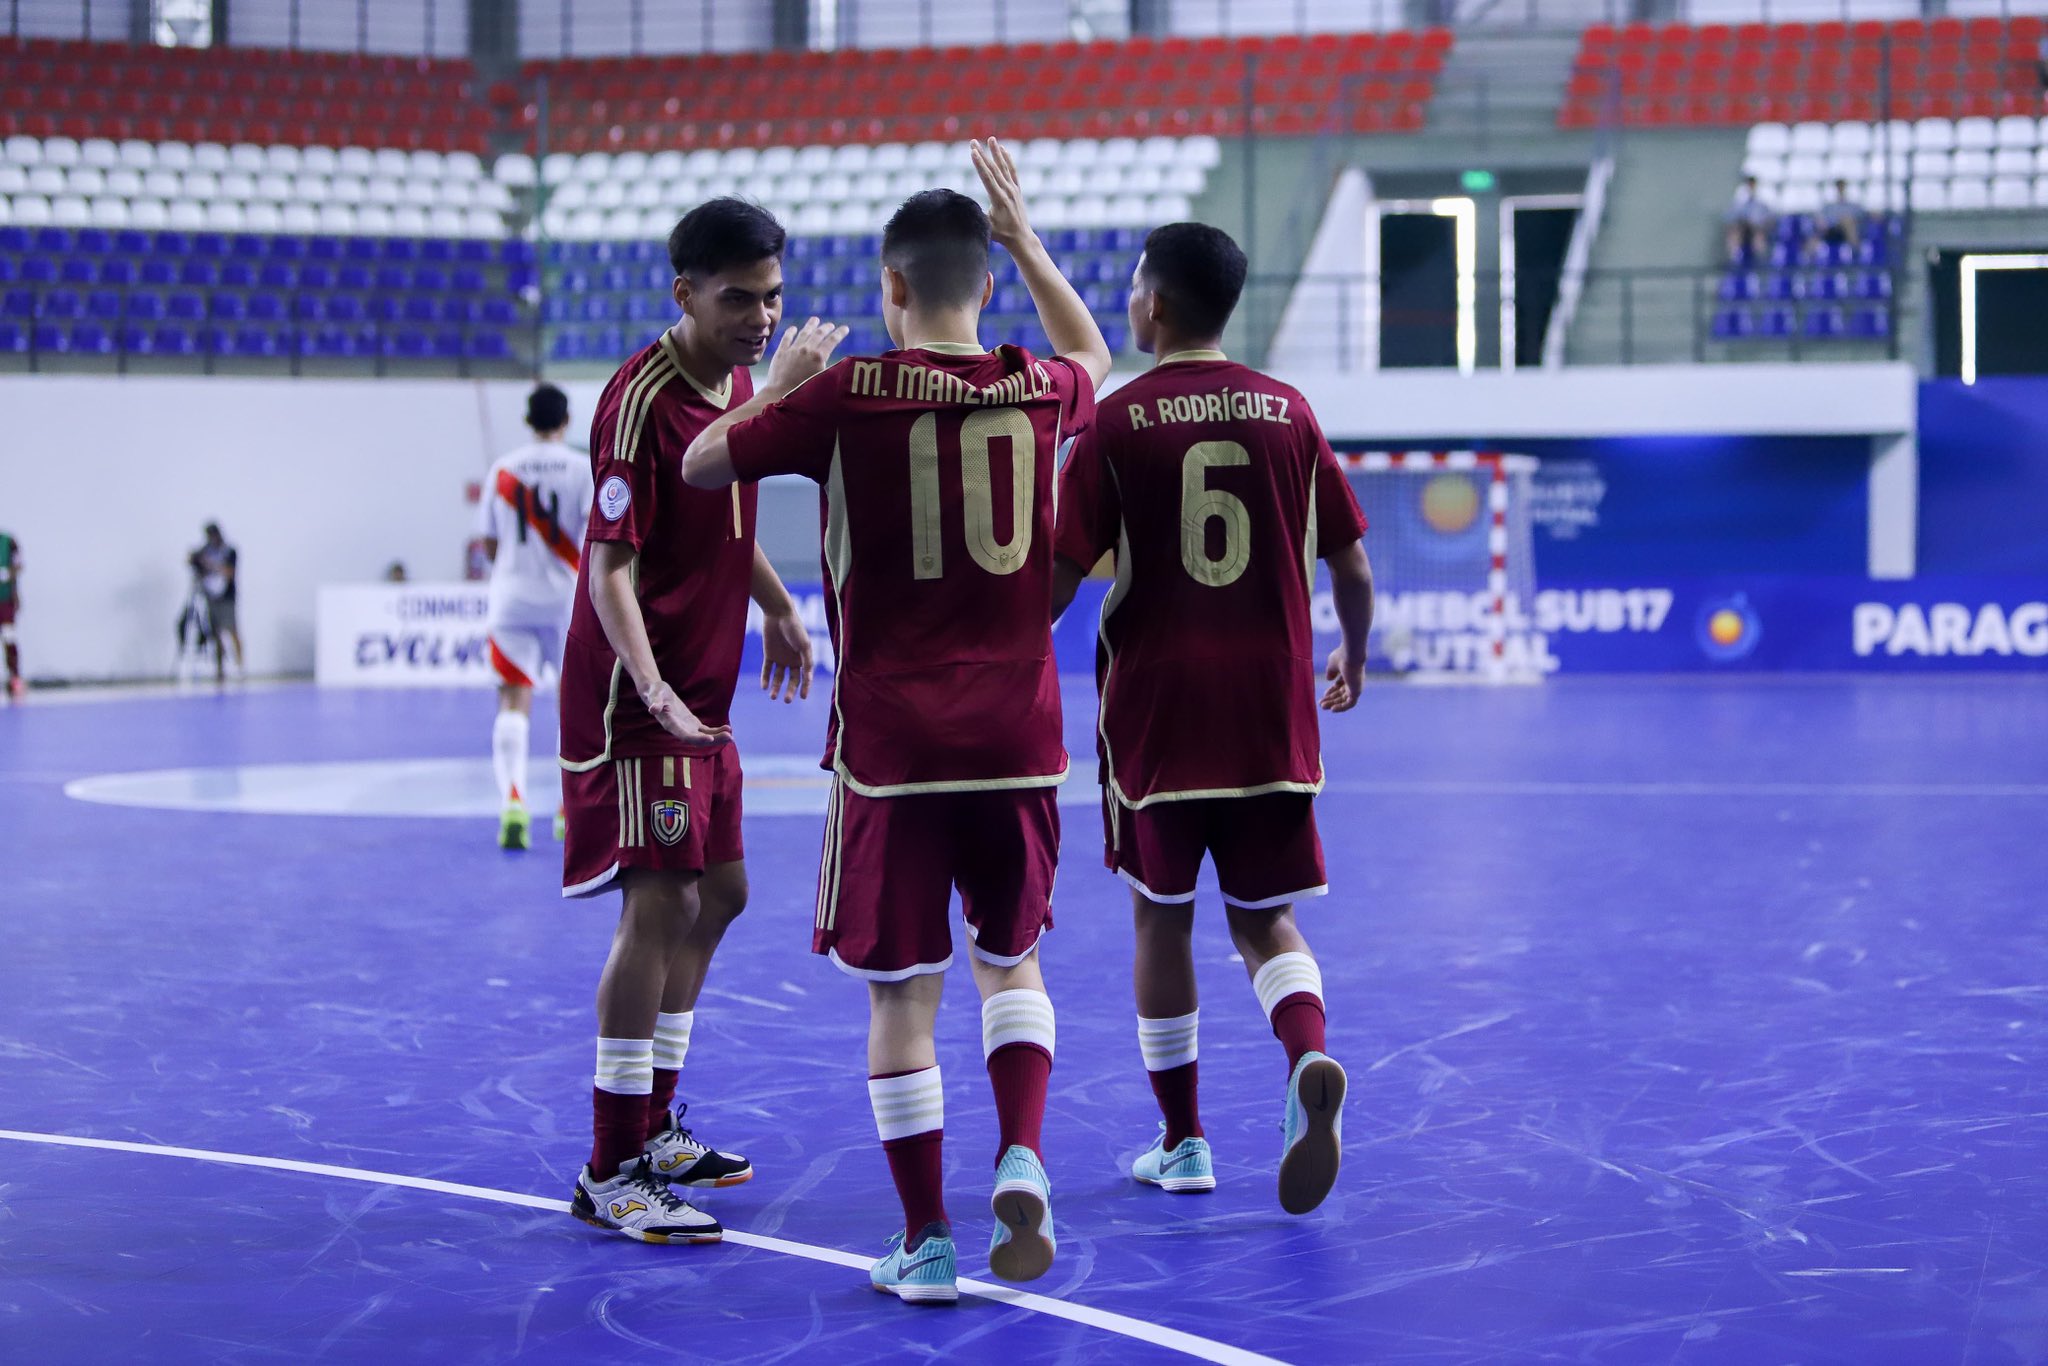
(1686, 1022)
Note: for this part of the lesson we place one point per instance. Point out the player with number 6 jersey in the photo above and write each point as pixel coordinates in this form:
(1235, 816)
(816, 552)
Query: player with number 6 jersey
(1214, 488)
(936, 464)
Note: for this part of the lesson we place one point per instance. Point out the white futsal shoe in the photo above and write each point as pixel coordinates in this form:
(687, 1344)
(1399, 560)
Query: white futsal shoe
(640, 1205)
(1312, 1144)
(679, 1159)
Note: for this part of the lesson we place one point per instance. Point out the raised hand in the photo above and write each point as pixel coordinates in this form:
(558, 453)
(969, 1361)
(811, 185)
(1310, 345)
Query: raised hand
(1347, 680)
(1007, 221)
(785, 658)
(678, 720)
(803, 352)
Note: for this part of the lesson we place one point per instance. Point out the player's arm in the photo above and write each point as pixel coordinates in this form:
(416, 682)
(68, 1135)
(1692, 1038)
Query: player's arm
(1351, 586)
(803, 352)
(1066, 581)
(612, 565)
(1068, 324)
(785, 644)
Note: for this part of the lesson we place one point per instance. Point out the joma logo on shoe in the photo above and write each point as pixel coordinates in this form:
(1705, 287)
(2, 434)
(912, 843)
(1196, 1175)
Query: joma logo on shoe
(622, 1208)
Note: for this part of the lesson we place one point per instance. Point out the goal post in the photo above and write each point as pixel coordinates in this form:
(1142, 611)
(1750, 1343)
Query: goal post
(1452, 545)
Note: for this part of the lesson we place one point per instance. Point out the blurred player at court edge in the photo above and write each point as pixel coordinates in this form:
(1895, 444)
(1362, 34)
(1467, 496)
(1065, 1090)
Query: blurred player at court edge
(936, 463)
(1216, 491)
(650, 777)
(535, 504)
(10, 606)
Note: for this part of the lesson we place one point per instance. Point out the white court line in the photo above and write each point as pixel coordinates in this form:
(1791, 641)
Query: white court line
(1202, 1349)
(1509, 788)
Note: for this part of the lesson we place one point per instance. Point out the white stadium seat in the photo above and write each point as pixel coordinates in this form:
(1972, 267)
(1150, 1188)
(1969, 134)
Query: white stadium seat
(1051, 212)
(2012, 192)
(148, 213)
(1103, 180)
(346, 189)
(665, 165)
(338, 218)
(381, 191)
(209, 156)
(930, 156)
(1804, 168)
(815, 159)
(1847, 165)
(98, 152)
(108, 212)
(374, 219)
(301, 217)
(1764, 165)
(483, 223)
(409, 220)
(738, 161)
(425, 193)
(1811, 137)
(237, 186)
(1970, 162)
(704, 163)
(47, 180)
(609, 194)
(774, 161)
(514, 168)
(392, 163)
(311, 189)
(1969, 194)
(457, 194)
(23, 150)
(186, 215)
(124, 183)
(263, 218)
(425, 164)
(1082, 152)
(1201, 150)
(1934, 135)
(1929, 196)
(2018, 130)
(273, 188)
(225, 215)
(355, 161)
(1770, 139)
(85, 181)
(1932, 165)
(1851, 136)
(627, 166)
(246, 157)
(1040, 152)
(283, 159)
(1976, 133)
(13, 179)
(1145, 179)
(1169, 208)
(2041, 192)
(30, 210)
(319, 160)
(446, 223)
(60, 152)
(853, 218)
(462, 166)
(852, 158)
(570, 197)
(2013, 161)
(1120, 152)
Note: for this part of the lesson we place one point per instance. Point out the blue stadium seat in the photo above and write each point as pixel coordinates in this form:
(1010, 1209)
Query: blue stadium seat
(14, 240)
(60, 304)
(1873, 284)
(116, 270)
(185, 308)
(198, 272)
(431, 279)
(91, 339)
(1822, 323)
(287, 247)
(1774, 322)
(209, 244)
(419, 308)
(18, 303)
(266, 308)
(157, 271)
(488, 346)
(229, 307)
(136, 341)
(340, 342)
(103, 305)
(1826, 284)
(53, 241)
(39, 270)
(173, 341)
(467, 280)
(9, 271)
(1870, 324)
(1731, 324)
(354, 277)
(519, 279)
(173, 244)
(316, 275)
(12, 338)
(1116, 336)
(394, 278)
(658, 278)
(648, 308)
(323, 248)
(438, 249)
(642, 252)
(405, 344)
(244, 246)
(1737, 285)
(276, 275)
(52, 338)
(473, 251)
(344, 308)
(359, 249)
(559, 253)
(1780, 287)
(146, 307)
(458, 311)
(130, 242)
(259, 341)
(616, 278)
(557, 309)
(608, 342)
(448, 345)
(567, 346)
(79, 270)
(237, 275)
(500, 312)
(399, 249)
(575, 281)
(215, 340)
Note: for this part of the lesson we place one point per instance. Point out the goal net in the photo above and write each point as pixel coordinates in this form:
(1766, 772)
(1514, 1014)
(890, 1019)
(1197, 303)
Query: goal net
(1454, 565)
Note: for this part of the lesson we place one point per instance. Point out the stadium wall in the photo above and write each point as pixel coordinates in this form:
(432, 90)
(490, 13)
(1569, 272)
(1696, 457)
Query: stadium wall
(107, 482)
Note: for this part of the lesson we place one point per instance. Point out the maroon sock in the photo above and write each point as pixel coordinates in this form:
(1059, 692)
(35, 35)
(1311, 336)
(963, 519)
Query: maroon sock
(1175, 1090)
(660, 1099)
(619, 1124)
(1020, 1072)
(1298, 1024)
(920, 1179)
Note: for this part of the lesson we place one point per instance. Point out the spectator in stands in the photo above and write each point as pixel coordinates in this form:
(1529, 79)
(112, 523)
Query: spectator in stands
(1748, 223)
(395, 572)
(213, 565)
(1841, 222)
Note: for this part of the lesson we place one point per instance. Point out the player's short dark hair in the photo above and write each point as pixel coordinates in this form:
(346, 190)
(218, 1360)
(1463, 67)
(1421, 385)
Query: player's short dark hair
(938, 242)
(547, 408)
(1199, 271)
(210, 529)
(721, 233)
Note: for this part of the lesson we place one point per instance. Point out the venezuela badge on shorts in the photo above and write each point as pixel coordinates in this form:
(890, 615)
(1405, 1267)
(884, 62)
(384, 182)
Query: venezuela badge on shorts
(671, 820)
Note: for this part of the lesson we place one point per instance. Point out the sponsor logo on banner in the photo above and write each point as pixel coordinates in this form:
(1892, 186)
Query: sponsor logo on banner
(1728, 628)
(671, 820)
(1948, 629)
(1445, 632)
(403, 635)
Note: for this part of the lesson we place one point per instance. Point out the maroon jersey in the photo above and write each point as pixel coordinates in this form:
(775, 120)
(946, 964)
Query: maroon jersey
(696, 561)
(1217, 490)
(937, 469)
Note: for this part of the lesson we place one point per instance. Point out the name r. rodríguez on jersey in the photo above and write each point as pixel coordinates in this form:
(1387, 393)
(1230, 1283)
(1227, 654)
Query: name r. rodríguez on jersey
(1224, 405)
(928, 384)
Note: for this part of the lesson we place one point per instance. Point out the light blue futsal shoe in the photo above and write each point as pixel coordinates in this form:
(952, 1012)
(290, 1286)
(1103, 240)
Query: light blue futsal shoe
(1312, 1142)
(1022, 1246)
(925, 1274)
(1189, 1167)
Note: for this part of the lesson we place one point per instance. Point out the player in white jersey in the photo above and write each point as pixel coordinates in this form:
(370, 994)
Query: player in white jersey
(535, 505)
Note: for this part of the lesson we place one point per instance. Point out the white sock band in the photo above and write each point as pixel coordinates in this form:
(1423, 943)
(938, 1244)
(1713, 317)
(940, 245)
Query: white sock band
(672, 1038)
(509, 735)
(1285, 976)
(1018, 1016)
(625, 1067)
(906, 1105)
(1167, 1044)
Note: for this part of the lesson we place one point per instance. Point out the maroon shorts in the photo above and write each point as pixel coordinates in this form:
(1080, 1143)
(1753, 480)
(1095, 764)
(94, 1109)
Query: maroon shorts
(1266, 849)
(886, 879)
(662, 813)
(7, 613)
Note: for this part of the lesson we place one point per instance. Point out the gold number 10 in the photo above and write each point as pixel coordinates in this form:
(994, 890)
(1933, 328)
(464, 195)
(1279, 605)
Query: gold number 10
(981, 428)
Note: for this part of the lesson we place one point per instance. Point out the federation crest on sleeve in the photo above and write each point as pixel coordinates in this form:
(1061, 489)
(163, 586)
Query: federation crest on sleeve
(671, 820)
(614, 498)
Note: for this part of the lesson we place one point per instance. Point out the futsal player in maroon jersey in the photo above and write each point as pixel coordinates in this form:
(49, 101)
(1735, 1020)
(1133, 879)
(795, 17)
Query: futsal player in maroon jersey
(650, 775)
(936, 462)
(1214, 488)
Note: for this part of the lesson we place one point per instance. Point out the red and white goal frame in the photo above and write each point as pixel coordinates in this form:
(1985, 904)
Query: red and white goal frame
(1498, 468)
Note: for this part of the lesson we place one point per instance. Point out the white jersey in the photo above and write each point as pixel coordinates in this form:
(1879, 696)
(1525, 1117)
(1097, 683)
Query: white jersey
(535, 505)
